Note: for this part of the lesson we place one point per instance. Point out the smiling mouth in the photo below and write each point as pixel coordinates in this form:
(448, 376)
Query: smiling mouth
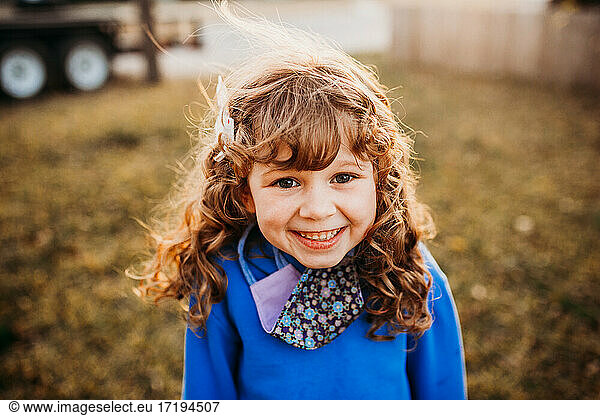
(320, 235)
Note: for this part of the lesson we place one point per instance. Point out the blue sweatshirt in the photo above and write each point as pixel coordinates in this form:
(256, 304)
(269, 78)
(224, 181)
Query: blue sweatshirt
(236, 359)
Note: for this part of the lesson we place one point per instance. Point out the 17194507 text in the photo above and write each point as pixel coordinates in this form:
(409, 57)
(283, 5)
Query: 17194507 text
(187, 406)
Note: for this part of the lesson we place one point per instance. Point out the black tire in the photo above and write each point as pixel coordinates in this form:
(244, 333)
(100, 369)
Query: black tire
(85, 63)
(24, 70)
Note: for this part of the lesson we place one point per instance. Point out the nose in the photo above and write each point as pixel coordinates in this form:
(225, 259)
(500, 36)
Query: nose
(317, 203)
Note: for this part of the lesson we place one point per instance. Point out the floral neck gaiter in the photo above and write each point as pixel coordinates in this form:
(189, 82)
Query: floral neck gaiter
(306, 310)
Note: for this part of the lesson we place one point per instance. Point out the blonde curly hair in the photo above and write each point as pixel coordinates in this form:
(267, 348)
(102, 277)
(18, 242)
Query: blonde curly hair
(311, 97)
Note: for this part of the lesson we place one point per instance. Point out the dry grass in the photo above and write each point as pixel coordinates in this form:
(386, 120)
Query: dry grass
(510, 172)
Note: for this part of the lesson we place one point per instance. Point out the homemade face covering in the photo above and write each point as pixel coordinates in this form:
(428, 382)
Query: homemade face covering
(306, 310)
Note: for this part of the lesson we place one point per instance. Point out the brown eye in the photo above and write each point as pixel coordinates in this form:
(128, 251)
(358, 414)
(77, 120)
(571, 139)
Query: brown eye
(343, 178)
(286, 183)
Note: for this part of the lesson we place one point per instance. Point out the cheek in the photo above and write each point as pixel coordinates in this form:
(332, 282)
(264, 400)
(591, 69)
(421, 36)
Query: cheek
(362, 207)
(270, 210)
(265, 214)
(369, 196)
(372, 208)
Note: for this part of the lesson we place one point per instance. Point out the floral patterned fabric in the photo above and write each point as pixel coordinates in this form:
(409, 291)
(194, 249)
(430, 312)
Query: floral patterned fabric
(321, 306)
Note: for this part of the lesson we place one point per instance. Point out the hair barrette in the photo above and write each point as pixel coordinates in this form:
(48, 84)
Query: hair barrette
(224, 127)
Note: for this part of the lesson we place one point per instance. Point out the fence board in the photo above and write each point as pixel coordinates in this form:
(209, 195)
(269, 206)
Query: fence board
(540, 43)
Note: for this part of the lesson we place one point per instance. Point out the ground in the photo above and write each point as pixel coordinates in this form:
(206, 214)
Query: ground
(509, 169)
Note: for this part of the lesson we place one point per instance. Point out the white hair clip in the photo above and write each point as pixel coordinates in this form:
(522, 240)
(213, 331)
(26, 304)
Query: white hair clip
(224, 123)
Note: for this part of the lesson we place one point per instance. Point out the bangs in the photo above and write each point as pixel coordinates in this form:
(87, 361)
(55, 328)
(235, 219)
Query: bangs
(310, 125)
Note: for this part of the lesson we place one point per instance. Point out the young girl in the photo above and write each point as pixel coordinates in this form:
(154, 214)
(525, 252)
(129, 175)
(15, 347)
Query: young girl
(300, 242)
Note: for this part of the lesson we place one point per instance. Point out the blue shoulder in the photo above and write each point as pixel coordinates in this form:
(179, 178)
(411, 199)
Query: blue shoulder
(226, 259)
(440, 296)
(437, 365)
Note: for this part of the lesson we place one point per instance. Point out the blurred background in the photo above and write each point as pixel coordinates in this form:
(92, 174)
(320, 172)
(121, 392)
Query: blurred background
(505, 95)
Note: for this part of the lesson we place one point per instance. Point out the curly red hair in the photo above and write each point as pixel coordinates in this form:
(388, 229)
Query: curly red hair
(311, 98)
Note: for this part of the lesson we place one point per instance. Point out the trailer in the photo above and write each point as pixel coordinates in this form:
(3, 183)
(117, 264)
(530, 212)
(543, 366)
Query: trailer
(70, 44)
(43, 43)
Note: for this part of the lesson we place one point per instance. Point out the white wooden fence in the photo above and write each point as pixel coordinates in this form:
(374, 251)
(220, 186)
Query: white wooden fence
(523, 38)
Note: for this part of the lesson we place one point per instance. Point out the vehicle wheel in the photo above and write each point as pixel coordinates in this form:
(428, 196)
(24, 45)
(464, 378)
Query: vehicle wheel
(86, 64)
(23, 71)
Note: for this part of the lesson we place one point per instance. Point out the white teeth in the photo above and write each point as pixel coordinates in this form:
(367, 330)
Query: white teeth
(322, 236)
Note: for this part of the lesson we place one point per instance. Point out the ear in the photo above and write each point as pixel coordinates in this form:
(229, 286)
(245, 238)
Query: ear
(248, 201)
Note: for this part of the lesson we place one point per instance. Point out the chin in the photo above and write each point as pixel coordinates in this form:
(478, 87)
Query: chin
(324, 264)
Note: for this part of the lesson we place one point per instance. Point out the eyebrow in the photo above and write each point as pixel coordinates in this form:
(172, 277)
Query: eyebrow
(352, 162)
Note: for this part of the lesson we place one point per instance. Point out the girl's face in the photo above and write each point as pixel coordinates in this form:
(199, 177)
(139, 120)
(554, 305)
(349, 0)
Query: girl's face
(315, 216)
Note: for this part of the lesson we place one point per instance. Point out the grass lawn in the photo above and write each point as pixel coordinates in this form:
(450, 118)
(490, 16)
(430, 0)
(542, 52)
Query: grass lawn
(509, 168)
